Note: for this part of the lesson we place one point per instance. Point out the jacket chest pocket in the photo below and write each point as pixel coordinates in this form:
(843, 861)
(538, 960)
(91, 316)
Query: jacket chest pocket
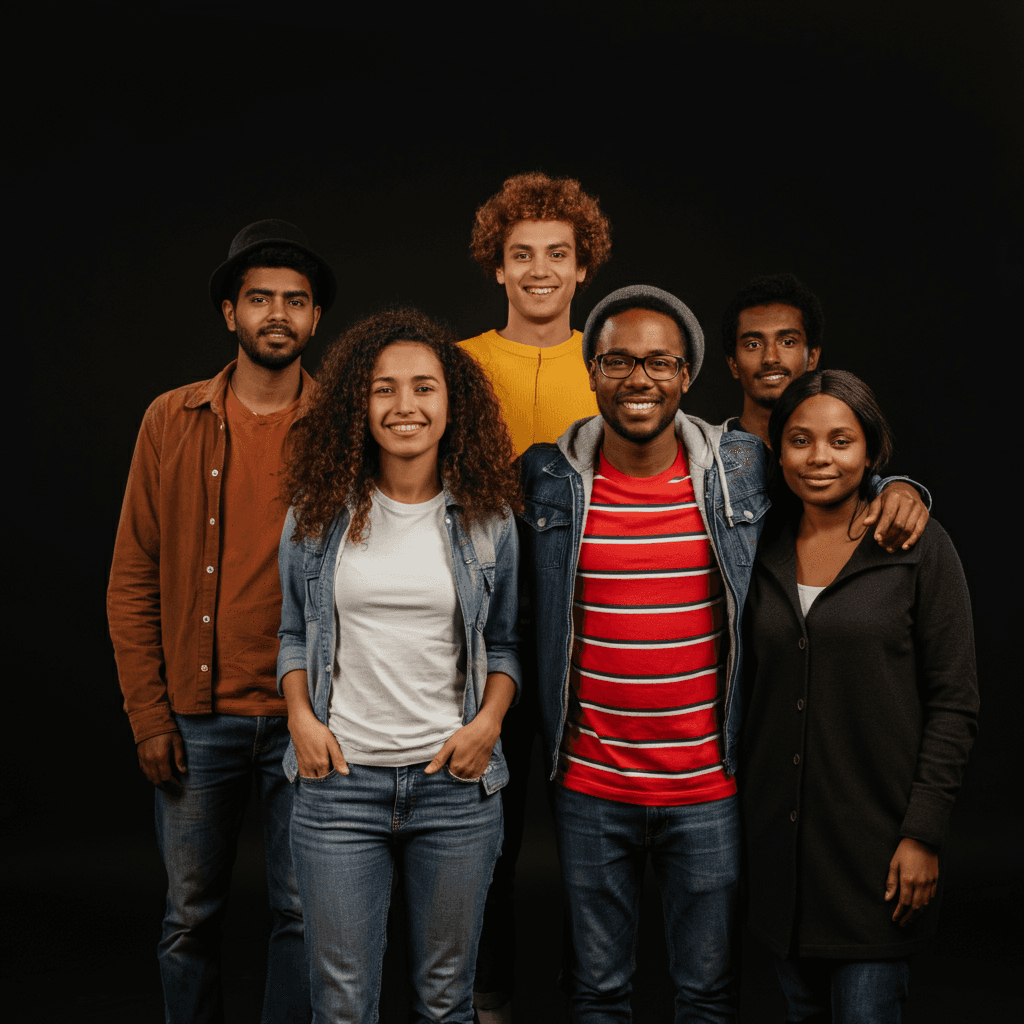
(545, 533)
(313, 566)
(740, 540)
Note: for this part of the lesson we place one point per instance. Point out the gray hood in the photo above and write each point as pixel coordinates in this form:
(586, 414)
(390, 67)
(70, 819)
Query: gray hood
(646, 296)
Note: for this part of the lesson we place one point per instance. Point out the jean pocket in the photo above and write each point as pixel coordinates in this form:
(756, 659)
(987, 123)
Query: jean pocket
(458, 778)
(319, 778)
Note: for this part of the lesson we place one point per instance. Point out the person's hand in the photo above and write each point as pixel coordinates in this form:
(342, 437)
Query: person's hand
(900, 515)
(316, 748)
(162, 760)
(914, 875)
(468, 750)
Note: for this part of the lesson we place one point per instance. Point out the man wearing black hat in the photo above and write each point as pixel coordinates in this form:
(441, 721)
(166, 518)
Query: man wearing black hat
(194, 608)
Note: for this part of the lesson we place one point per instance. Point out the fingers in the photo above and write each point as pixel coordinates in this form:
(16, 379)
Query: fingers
(441, 757)
(919, 522)
(161, 759)
(178, 745)
(886, 531)
(873, 509)
(337, 757)
(893, 879)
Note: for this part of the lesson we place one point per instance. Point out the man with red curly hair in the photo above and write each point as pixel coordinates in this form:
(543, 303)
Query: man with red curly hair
(543, 239)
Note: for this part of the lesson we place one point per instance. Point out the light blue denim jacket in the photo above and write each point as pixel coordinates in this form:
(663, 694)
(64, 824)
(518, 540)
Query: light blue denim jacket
(728, 475)
(486, 563)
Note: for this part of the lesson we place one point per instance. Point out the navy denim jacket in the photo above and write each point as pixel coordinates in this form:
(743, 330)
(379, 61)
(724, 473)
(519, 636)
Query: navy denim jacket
(486, 563)
(728, 475)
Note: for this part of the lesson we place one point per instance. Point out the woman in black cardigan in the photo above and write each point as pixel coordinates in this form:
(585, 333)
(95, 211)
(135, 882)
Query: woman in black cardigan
(862, 708)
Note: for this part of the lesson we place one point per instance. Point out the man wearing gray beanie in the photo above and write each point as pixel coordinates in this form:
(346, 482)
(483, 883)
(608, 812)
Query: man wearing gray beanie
(641, 526)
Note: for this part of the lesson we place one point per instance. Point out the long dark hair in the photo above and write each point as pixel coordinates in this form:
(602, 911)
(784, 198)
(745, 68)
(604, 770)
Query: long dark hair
(851, 390)
(334, 460)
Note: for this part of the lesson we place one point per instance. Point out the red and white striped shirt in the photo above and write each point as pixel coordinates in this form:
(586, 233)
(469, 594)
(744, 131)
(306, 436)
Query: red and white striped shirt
(649, 616)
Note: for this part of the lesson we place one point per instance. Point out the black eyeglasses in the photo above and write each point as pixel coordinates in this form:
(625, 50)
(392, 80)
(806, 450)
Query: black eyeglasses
(656, 367)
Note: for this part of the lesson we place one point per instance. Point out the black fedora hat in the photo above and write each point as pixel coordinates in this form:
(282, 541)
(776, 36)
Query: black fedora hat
(273, 232)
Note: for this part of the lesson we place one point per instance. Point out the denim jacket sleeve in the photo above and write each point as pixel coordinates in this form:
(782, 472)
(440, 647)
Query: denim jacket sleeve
(500, 634)
(292, 634)
(880, 485)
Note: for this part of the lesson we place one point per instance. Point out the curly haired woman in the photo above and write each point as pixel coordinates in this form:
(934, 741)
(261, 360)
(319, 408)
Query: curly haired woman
(398, 659)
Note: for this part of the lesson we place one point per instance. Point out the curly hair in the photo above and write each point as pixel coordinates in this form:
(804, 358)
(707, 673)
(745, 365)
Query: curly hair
(536, 196)
(784, 289)
(334, 460)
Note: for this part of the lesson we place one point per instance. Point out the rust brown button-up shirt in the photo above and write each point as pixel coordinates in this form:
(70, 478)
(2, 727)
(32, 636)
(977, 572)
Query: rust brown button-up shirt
(162, 598)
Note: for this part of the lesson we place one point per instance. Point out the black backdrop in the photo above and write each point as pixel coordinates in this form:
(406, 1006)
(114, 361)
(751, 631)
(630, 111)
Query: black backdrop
(869, 147)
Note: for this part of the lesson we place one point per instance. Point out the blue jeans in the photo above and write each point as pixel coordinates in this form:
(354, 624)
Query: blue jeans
(198, 834)
(348, 833)
(855, 991)
(603, 847)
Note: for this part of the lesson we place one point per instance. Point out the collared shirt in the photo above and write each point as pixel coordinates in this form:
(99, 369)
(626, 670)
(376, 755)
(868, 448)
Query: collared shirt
(162, 598)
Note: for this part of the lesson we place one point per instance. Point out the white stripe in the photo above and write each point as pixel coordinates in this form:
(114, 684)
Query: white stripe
(649, 744)
(642, 508)
(679, 573)
(655, 646)
(647, 609)
(634, 713)
(675, 538)
(605, 678)
(642, 775)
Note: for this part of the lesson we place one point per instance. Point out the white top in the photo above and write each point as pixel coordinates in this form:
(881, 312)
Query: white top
(807, 596)
(400, 662)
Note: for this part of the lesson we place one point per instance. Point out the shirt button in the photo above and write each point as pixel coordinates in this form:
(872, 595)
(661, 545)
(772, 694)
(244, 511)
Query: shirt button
(801, 643)
(212, 521)
(792, 815)
(796, 759)
(206, 618)
(542, 522)
(800, 705)
(205, 668)
(209, 568)
(447, 519)
(749, 515)
(215, 472)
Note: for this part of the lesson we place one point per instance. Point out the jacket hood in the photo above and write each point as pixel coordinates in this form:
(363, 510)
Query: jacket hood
(646, 296)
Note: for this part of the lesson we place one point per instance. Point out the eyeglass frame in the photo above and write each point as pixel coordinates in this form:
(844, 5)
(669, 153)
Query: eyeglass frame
(642, 360)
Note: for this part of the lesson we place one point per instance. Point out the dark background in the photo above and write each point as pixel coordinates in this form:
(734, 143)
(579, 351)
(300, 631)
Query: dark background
(869, 147)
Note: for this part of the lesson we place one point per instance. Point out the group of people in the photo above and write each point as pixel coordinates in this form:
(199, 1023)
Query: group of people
(371, 591)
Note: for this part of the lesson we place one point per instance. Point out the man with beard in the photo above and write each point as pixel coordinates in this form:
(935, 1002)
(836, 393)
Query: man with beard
(194, 605)
(772, 332)
(640, 530)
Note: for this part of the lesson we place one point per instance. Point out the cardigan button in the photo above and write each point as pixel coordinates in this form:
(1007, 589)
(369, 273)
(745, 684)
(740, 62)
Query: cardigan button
(796, 759)
(792, 815)
(801, 643)
(800, 704)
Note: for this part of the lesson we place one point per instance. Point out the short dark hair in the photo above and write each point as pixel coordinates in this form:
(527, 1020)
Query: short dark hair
(784, 289)
(272, 255)
(649, 302)
(849, 389)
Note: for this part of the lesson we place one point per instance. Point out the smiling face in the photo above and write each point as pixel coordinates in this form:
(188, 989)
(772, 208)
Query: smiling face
(824, 452)
(408, 403)
(274, 316)
(771, 351)
(539, 271)
(638, 409)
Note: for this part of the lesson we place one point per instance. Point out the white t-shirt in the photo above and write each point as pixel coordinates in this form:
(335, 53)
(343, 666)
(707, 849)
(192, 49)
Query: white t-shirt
(807, 595)
(400, 664)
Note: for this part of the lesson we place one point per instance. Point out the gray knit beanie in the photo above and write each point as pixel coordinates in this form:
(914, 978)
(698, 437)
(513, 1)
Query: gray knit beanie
(646, 296)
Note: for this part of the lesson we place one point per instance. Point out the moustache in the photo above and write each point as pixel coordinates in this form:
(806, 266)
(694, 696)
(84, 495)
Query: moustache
(280, 329)
(774, 372)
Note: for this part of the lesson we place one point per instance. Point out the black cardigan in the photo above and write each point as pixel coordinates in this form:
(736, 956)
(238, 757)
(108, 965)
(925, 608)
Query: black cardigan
(858, 726)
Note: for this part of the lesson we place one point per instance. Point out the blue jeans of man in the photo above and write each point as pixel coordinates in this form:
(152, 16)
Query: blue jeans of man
(348, 834)
(603, 847)
(198, 836)
(844, 991)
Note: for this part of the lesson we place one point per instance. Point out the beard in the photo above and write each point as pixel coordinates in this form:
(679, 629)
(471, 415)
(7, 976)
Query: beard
(271, 360)
(643, 434)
